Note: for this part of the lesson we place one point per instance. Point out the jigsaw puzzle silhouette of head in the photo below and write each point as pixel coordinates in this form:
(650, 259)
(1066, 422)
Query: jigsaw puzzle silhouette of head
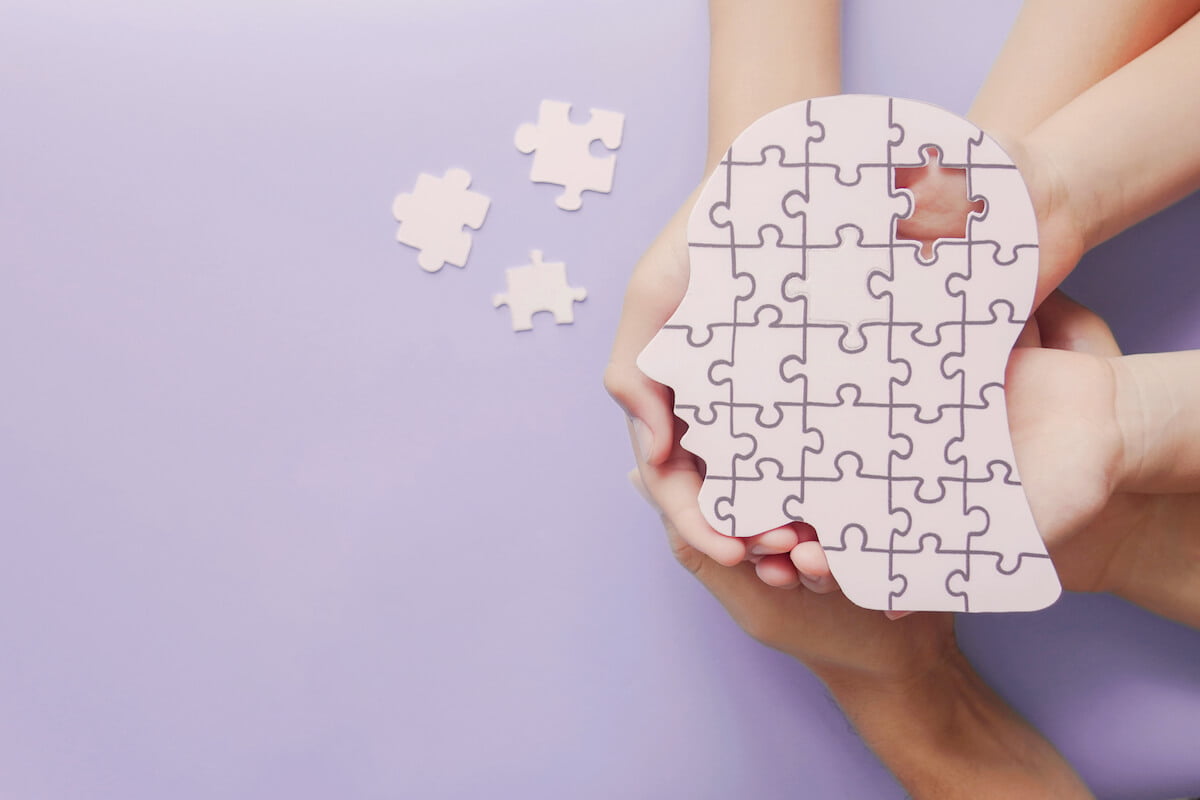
(831, 372)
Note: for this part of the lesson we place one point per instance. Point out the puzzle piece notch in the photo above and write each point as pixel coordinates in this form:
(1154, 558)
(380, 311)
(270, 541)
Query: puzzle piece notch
(852, 425)
(851, 497)
(988, 279)
(752, 503)
(927, 572)
(985, 342)
(856, 129)
(836, 280)
(538, 286)
(828, 204)
(917, 288)
(863, 572)
(827, 364)
(714, 285)
(949, 517)
(923, 126)
(1008, 217)
(757, 196)
(433, 215)
(562, 150)
(985, 440)
(987, 585)
(755, 370)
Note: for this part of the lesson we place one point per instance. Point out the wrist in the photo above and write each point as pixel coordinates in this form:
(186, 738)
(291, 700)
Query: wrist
(926, 655)
(945, 733)
(1065, 205)
(1131, 422)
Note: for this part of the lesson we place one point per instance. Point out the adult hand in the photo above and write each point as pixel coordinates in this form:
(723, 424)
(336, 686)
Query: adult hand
(671, 474)
(905, 686)
(838, 640)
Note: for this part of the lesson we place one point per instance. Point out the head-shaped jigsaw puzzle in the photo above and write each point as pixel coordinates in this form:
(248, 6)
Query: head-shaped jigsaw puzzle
(830, 373)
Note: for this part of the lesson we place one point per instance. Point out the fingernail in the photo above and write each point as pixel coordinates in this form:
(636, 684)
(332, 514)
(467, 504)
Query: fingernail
(645, 438)
(895, 615)
(760, 550)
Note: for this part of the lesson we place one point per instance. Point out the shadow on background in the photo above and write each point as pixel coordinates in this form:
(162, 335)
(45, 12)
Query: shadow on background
(1146, 283)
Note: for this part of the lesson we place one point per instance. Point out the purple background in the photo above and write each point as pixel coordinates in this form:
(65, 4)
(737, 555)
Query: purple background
(285, 516)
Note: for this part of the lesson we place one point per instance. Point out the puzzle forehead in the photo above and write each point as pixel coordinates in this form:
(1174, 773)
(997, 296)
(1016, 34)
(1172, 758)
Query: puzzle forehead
(830, 374)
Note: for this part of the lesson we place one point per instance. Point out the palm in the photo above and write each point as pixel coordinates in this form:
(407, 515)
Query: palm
(1063, 426)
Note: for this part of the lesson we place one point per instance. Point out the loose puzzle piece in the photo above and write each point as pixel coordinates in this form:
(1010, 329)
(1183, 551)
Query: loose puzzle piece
(562, 151)
(433, 215)
(539, 286)
(829, 373)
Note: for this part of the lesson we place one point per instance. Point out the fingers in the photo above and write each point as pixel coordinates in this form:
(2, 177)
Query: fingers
(812, 567)
(647, 404)
(1067, 325)
(674, 487)
(655, 289)
(773, 542)
(777, 570)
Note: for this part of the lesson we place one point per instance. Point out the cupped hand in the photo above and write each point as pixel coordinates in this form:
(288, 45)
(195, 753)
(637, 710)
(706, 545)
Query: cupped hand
(831, 635)
(672, 475)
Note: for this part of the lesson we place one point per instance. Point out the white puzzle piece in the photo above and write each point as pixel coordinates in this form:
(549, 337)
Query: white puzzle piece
(829, 373)
(538, 286)
(562, 150)
(432, 217)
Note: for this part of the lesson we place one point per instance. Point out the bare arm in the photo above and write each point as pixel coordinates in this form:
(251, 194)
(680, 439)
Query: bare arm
(1129, 146)
(1058, 49)
(765, 54)
(946, 734)
(905, 686)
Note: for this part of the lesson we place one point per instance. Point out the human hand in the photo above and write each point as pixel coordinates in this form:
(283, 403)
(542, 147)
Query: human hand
(838, 640)
(1077, 451)
(672, 475)
(905, 686)
(1078, 423)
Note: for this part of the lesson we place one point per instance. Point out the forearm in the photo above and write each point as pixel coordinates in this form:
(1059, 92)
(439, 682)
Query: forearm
(945, 734)
(1157, 402)
(765, 54)
(1130, 145)
(1058, 49)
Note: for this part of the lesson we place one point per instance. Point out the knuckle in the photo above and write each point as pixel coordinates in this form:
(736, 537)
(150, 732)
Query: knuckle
(621, 383)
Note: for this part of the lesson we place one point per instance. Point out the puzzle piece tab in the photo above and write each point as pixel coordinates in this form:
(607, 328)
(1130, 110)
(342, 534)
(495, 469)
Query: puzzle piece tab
(562, 150)
(539, 286)
(432, 217)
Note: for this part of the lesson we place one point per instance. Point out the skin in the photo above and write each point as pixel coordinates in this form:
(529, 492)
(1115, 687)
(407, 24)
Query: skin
(905, 686)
